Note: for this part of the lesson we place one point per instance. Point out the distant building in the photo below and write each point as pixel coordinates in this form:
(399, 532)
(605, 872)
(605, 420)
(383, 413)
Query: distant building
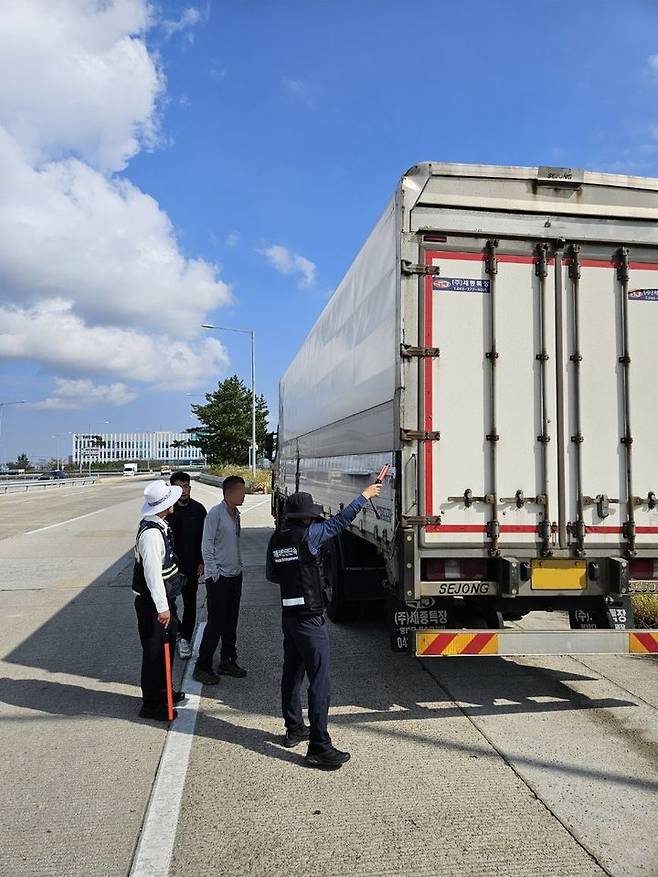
(160, 447)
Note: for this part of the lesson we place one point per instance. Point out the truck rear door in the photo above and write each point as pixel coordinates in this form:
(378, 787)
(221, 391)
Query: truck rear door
(540, 409)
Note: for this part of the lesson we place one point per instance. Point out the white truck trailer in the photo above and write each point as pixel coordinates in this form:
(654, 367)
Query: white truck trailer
(494, 342)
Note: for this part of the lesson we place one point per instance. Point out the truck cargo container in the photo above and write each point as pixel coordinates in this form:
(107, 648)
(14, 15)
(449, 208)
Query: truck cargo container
(494, 342)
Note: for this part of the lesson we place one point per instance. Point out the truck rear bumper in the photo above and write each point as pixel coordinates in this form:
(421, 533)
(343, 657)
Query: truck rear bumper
(510, 643)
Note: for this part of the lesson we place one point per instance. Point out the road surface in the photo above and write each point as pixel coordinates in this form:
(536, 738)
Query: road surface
(482, 766)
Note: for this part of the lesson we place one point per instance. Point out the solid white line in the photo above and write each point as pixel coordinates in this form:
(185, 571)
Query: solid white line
(70, 521)
(156, 843)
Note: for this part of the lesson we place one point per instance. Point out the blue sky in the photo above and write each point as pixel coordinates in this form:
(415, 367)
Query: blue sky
(272, 134)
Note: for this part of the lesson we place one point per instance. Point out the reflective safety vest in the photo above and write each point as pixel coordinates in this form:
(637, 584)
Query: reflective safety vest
(173, 580)
(298, 572)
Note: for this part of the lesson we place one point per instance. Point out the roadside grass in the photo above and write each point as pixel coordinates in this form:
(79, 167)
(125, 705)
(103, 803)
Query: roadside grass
(645, 607)
(261, 484)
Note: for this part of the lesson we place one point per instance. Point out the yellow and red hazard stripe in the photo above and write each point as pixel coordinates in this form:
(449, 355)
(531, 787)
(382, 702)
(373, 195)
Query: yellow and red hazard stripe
(433, 644)
(640, 642)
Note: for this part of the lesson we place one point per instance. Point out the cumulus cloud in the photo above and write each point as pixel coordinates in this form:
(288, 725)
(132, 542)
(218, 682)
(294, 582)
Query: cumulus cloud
(287, 262)
(76, 77)
(84, 393)
(93, 281)
(52, 334)
(68, 231)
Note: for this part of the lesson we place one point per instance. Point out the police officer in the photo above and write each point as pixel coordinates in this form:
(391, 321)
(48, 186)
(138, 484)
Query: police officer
(156, 584)
(294, 562)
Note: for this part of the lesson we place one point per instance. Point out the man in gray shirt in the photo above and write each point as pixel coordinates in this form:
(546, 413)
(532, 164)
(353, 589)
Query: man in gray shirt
(220, 547)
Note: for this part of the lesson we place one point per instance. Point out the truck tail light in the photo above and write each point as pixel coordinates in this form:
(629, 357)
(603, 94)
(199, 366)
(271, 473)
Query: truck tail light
(469, 569)
(643, 568)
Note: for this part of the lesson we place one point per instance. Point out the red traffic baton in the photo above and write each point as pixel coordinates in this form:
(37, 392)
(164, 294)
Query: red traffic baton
(383, 472)
(168, 682)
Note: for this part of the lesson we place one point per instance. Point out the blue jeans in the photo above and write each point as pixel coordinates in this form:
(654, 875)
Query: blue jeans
(306, 652)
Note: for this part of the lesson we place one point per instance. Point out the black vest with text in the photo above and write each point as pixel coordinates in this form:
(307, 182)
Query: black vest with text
(298, 572)
(171, 576)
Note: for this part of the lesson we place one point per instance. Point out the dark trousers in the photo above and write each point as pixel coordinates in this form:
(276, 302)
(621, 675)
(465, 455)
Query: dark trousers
(152, 637)
(188, 594)
(306, 651)
(224, 596)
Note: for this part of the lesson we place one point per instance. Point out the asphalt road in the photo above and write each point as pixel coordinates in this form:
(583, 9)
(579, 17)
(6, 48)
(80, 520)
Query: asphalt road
(490, 766)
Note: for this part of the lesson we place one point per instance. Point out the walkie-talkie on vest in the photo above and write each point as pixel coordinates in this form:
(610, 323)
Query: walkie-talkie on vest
(383, 472)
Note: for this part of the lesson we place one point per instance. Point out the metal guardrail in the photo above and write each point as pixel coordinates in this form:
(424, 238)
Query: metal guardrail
(24, 486)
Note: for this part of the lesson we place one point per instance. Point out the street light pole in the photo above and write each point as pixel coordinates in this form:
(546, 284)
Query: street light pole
(252, 335)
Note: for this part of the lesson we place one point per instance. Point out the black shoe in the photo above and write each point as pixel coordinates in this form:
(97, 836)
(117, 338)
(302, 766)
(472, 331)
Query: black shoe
(159, 713)
(205, 677)
(329, 759)
(231, 668)
(294, 738)
(180, 697)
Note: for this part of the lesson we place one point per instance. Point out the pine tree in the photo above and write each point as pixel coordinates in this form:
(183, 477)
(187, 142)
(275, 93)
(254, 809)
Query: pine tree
(225, 434)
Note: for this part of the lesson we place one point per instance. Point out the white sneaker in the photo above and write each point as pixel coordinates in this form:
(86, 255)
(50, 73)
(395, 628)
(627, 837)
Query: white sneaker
(184, 649)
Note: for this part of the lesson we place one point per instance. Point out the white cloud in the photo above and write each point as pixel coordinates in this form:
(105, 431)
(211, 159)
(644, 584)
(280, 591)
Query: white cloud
(232, 239)
(190, 18)
(70, 395)
(76, 77)
(299, 89)
(93, 280)
(52, 334)
(652, 63)
(68, 232)
(287, 262)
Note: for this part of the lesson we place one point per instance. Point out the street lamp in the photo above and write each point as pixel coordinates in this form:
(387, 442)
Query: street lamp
(3, 405)
(253, 384)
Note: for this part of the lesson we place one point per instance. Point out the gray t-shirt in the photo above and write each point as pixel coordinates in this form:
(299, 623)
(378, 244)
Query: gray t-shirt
(220, 545)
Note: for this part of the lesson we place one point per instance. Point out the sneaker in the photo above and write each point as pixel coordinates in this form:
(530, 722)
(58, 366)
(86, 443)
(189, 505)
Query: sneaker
(231, 668)
(159, 713)
(184, 649)
(180, 697)
(205, 677)
(330, 759)
(294, 738)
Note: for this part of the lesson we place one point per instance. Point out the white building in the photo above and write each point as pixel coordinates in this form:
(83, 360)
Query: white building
(131, 447)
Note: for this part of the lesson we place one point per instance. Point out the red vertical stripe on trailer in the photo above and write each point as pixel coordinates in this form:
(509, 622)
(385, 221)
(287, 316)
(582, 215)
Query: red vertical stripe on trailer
(428, 401)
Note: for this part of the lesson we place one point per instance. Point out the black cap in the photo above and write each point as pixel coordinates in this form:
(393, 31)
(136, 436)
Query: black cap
(301, 505)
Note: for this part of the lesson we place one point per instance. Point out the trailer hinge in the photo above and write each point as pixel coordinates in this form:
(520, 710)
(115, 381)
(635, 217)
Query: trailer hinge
(408, 267)
(419, 435)
(628, 530)
(493, 529)
(408, 350)
(420, 520)
(622, 265)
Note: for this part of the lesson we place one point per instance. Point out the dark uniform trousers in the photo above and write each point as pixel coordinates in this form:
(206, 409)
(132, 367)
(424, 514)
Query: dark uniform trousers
(188, 593)
(152, 637)
(223, 599)
(306, 651)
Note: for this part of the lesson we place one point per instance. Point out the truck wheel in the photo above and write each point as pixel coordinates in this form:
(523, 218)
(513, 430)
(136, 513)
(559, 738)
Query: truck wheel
(333, 586)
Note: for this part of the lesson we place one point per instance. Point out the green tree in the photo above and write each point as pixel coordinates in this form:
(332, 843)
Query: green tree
(225, 432)
(22, 462)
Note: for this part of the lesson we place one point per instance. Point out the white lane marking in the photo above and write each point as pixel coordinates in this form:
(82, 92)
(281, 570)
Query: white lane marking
(156, 843)
(70, 521)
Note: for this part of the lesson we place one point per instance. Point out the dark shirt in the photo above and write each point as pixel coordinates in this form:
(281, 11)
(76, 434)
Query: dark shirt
(186, 524)
(320, 532)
